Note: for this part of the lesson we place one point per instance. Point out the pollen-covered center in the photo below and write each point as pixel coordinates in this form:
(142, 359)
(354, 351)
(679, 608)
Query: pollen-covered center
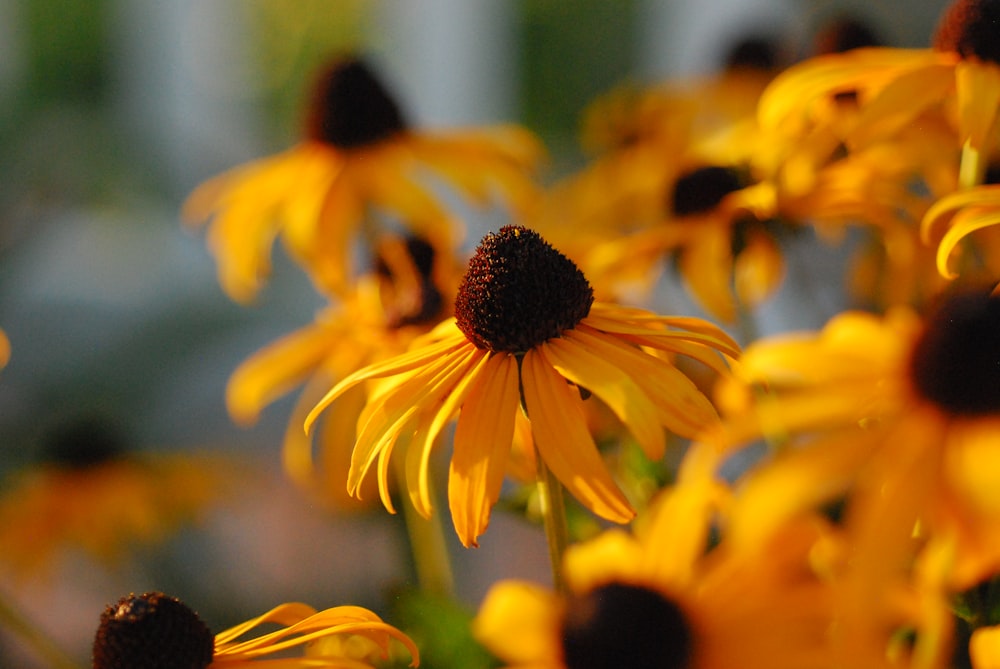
(152, 631)
(701, 190)
(618, 625)
(956, 361)
(970, 28)
(351, 107)
(519, 292)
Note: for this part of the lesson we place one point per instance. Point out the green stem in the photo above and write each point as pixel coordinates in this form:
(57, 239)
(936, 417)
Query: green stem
(553, 507)
(972, 169)
(40, 642)
(428, 547)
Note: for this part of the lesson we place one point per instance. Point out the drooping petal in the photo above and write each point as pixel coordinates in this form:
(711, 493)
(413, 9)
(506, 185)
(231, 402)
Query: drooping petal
(587, 368)
(435, 418)
(420, 356)
(563, 441)
(482, 444)
(977, 86)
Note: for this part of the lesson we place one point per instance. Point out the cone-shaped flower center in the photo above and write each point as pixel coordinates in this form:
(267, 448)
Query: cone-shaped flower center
(519, 292)
(701, 190)
(352, 108)
(956, 361)
(152, 631)
(619, 625)
(970, 28)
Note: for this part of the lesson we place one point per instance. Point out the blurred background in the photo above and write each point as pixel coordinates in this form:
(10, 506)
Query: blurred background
(112, 111)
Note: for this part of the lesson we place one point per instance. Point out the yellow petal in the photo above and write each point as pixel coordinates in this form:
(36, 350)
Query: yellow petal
(984, 647)
(978, 91)
(434, 420)
(575, 361)
(559, 426)
(707, 267)
(964, 223)
(519, 622)
(483, 440)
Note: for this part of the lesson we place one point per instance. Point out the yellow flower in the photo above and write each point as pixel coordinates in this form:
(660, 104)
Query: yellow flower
(959, 77)
(671, 178)
(528, 334)
(662, 598)
(359, 157)
(902, 416)
(91, 496)
(154, 630)
(409, 292)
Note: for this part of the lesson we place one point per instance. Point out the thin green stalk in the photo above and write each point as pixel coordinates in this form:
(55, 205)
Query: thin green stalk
(45, 647)
(972, 169)
(428, 547)
(553, 507)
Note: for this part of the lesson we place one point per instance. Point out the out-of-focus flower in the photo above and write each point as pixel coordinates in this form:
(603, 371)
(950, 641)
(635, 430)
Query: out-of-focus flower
(359, 158)
(527, 333)
(4, 348)
(91, 495)
(899, 415)
(410, 291)
(661, 597)
(888, 89)
(160, 632)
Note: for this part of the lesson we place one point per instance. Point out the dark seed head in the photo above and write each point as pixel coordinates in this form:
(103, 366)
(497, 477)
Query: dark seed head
(519, 292)
(351, 107)
(753, 53)
(83, 442)
(844, 34)
(152, 631)
(701, 190)
(971, 28)
(619, 625)
(956, 361)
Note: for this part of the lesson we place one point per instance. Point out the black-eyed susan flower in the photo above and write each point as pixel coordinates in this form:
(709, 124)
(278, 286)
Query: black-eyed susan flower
(889, 88)
(359, 157)
(661, 597)
(902, 416)
(410, 290)
(155, 631)
(528, 334)
(92, 495)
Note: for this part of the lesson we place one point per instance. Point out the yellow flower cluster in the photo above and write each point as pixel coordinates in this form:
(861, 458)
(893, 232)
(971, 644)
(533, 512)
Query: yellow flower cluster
(806, 500)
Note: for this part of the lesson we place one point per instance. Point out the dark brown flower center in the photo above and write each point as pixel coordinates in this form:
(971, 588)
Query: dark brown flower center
(956, 361)
(619, 625)
(701, 190)
(152, 631)
(351, 107)
(519, 292)
(400, 311)
(844, 33)
(83, 442)
(971, 28)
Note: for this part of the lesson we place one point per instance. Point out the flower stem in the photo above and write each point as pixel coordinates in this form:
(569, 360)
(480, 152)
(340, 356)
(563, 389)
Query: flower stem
(428, 548)
(972, 169)
(553, 507)
(45, 647)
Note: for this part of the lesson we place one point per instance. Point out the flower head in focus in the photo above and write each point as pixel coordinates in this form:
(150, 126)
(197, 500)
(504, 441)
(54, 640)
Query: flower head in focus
(527, 335)
(156, 631)
(662, 598)
(360, 157)
(91, 494)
